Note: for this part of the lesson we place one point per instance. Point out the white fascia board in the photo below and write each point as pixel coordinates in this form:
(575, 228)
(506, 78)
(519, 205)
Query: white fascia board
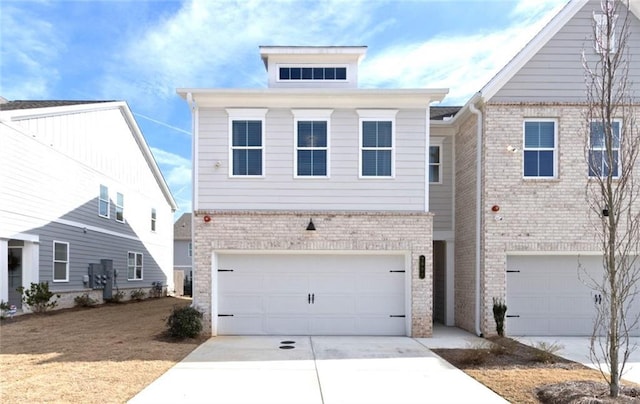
(146, 151)
(29, 113)
(315, 98)
(533, 47)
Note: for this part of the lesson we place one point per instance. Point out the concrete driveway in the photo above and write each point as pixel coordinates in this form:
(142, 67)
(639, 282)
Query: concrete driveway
(327, 370)
(577, 350)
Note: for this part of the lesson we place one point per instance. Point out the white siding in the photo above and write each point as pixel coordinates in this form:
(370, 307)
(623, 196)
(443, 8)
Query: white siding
(441, 195)
(279, 189)
(52, 168)
(555, 73)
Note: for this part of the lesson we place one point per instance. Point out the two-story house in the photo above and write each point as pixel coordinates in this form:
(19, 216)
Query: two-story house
(324, 208)
(311, 201)
(79, 185)
(522, 227)
(183, 250)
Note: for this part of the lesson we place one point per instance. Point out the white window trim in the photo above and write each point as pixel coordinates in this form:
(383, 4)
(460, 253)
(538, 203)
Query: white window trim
(439, 142)
(134, 266)
(311, 115)
(555, 148)
(247, 114)
(119, 206)
(154, 220)
(100, 200)
(377, 115)
(617, 176)
(279, 65)
(54, 261)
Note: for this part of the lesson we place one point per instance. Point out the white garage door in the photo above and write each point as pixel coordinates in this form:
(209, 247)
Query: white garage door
(547, 295)
(305, 294)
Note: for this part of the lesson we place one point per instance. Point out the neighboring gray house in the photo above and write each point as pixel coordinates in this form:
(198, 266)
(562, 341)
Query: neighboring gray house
(80, 185)
(182, 245)
(323, 208)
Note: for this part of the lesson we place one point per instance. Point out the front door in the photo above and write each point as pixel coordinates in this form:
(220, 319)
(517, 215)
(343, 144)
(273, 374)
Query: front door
(15, 275)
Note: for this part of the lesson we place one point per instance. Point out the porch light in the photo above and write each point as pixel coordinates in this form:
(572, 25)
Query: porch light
(311, 226)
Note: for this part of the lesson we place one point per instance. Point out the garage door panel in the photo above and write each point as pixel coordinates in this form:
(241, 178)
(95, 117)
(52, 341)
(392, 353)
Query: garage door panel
(276, 290)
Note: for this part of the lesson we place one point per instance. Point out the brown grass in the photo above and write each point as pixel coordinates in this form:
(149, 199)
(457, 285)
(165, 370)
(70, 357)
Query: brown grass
(104, 354)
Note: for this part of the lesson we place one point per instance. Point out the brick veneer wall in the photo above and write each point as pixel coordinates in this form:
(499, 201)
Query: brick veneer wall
(335, 231)
(538, 216)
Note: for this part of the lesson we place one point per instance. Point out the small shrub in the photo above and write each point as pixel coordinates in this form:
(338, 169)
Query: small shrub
(138, 294)
(545, 352)
(117, 297)
(476, 354)
(4, 307)
(38, 297)
(499, 312)
(84, 300)
(184, 322)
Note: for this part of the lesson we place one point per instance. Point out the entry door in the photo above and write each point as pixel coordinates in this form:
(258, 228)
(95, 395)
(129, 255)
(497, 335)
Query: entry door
(311, 294)
(15, 275)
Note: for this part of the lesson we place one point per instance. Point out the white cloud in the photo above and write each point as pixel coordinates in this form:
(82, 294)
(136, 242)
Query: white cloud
(177, 169)
(463, 63)
(29, 47)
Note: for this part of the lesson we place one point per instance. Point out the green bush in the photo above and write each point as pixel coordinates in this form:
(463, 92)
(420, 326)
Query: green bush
(38, 297)
(84, 300)
(117, 297)
(184, 322)
(138, 294)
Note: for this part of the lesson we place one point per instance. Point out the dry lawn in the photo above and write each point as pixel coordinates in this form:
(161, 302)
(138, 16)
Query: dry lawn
(104, 354)
(109, 353)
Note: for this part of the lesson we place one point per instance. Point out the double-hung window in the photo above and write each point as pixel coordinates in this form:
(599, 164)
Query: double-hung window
(435, 161)
(103, 201)
(246, 129)
(604, 151)
(311, 143)
(60, 261)
(605, 35)
(134, 266)
(377, 143)
(540, 140)
(119, 207)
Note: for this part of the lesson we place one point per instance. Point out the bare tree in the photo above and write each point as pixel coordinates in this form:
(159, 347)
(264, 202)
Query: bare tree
(612, 144)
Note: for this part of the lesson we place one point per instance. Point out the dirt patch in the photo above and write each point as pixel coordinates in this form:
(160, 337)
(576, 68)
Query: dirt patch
(102, 354)
(522, 374)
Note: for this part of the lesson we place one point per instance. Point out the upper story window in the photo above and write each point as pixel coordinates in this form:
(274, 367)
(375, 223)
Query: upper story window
(120, 207)
(103, 201)
(604, 159)
(377, 143)
(60, 261)
(134, 266)
(312, 73)
(312, 143)
(247, 142)
(605, 35)
(540, 148)
(435, 161)
(153, 219)
(190, 249)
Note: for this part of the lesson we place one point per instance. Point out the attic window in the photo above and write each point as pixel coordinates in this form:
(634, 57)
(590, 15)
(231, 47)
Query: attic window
(313, 73)
(605, 36)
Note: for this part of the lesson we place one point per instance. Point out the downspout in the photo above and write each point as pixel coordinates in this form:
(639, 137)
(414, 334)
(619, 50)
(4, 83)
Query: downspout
(194, 130)
(478, 113)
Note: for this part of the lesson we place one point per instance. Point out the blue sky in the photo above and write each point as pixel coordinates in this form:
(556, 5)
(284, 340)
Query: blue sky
(141, 51)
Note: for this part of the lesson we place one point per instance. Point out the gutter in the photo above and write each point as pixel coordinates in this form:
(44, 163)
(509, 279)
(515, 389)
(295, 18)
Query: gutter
(478, 113)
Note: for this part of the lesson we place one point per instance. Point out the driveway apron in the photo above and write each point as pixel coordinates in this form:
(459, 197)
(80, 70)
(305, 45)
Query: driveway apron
(328, 370)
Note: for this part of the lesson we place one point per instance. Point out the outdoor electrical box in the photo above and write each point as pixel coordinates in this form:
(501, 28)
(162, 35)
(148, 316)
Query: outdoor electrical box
(101, 277)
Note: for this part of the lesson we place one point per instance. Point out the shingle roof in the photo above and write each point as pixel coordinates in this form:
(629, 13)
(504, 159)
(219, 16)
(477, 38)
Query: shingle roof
(30, 104)
(438, 113)
(182, 227)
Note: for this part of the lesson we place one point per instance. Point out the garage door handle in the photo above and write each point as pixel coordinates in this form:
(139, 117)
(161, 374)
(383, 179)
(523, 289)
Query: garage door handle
(313, 298)
(308, 298)
(513, 316)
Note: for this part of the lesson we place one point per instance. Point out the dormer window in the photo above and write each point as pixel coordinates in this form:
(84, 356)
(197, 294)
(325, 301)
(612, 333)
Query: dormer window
(312, 73)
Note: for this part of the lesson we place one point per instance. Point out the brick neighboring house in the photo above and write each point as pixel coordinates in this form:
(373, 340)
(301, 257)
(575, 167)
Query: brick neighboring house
(307, 209)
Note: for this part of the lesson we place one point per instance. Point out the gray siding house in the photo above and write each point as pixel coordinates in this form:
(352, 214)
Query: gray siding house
(70, 199)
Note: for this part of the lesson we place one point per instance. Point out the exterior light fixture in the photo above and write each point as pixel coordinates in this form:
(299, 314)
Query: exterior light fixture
(512, 149)
(311, 226)
(207, 219)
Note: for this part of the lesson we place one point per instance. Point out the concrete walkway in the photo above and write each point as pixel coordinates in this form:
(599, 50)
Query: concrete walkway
(318, 370)
(577, 350)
